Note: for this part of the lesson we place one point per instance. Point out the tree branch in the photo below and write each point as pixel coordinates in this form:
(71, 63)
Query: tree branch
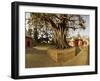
(51, 22)
(57, 17)
(72, 28)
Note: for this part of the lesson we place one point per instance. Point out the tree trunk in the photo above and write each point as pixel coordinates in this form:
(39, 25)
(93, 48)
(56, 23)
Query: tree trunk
(60, 38)
(59, 33)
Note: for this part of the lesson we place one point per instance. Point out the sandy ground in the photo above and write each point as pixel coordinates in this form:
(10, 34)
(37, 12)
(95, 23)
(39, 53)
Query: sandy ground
(38, 57)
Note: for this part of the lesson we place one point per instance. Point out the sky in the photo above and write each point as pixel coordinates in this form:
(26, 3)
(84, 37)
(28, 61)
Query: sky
(81, 31)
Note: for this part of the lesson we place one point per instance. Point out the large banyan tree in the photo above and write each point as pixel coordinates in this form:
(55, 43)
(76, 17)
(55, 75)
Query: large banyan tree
(59, 23)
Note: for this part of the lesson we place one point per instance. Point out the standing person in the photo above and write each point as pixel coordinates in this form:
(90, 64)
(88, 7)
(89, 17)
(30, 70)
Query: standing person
(77, 48)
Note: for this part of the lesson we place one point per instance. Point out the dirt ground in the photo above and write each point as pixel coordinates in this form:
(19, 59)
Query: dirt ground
(38, 57)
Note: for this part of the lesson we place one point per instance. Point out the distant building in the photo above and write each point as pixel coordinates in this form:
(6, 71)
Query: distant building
(78, 41)
(28, 40)
(71, 42)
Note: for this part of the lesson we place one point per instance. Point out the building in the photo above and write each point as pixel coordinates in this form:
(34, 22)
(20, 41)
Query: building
(78, 41)
(71, 42)
(28, 40)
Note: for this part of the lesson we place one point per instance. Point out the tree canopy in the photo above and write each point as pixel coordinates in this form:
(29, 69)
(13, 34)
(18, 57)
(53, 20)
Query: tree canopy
(55, 27)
